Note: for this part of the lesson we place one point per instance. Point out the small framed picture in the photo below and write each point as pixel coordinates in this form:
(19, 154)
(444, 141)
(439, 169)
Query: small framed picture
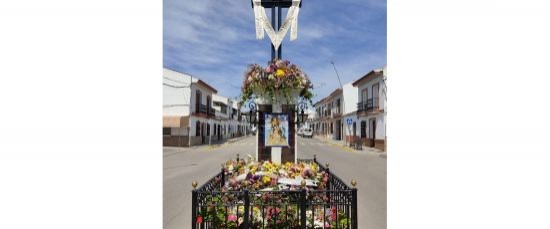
(276, 129)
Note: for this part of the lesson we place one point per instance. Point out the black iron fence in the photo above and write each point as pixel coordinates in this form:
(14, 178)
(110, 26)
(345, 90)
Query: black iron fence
(335, 207)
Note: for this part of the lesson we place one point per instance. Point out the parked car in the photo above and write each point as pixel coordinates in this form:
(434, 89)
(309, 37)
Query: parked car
(307, 133)
(253, 130)
(300, 131)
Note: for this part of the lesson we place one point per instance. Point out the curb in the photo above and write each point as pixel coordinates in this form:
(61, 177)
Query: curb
(229, 141)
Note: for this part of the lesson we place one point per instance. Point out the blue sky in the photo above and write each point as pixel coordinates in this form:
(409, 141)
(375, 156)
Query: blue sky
(215, 40)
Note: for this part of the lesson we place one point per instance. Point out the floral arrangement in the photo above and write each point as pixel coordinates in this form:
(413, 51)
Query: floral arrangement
(278, 78)
(265, 177)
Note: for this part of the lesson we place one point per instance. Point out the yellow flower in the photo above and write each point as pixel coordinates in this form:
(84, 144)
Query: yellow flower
(280, 73)
(266, 179)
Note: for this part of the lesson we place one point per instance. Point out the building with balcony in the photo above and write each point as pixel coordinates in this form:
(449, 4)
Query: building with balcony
(238, 124)
(332, 111)
(371, 108)
(188, 115)
(222, 105)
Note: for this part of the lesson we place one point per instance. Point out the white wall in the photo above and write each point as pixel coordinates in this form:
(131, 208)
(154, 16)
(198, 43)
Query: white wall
(368, 85)
(348, 130)
(380, 127)
(224, 100)
(350, 98)
(192, 125)
(176, 93)
(204, 93)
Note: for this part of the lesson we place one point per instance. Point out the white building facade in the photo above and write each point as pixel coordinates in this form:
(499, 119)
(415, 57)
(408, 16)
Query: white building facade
(370, 127)
(331, 113)
(194, 114)
(230, 123)
(188, 115)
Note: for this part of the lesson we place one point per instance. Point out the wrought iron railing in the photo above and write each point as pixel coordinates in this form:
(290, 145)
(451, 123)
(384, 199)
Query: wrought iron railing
(294, 209)
(368, 105)
(212, 112)
(203, 109)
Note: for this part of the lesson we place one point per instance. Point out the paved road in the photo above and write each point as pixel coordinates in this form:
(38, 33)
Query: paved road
(182, 166)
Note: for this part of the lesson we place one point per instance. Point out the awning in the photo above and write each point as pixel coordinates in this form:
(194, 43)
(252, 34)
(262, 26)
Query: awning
(175, 121)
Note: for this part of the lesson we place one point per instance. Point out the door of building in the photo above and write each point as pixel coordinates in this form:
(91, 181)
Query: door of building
(203, 133)
(372, 132)
(338, 130)
(342, 130)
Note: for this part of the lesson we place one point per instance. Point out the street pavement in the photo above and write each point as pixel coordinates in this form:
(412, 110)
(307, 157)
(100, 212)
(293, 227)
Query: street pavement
(182, 166)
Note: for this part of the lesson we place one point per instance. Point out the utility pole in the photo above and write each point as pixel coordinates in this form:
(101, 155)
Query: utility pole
(343, 102)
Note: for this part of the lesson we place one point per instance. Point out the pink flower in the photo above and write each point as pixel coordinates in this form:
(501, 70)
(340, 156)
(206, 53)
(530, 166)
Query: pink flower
(199, 219)
(333, 214)
(232, 218)
(269, 69)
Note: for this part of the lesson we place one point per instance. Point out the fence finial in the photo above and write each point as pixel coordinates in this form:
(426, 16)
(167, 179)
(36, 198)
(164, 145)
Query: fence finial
(354, 183)
(194, 184)
(303, 183)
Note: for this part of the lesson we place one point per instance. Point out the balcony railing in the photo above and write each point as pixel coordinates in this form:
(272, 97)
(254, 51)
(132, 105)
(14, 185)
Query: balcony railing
(203, 110)
(368, 105)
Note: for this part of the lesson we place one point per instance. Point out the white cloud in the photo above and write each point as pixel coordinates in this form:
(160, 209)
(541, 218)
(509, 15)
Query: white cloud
(215, 40)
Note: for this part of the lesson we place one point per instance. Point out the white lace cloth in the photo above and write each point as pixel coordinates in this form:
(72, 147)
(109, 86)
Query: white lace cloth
(262, 23)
